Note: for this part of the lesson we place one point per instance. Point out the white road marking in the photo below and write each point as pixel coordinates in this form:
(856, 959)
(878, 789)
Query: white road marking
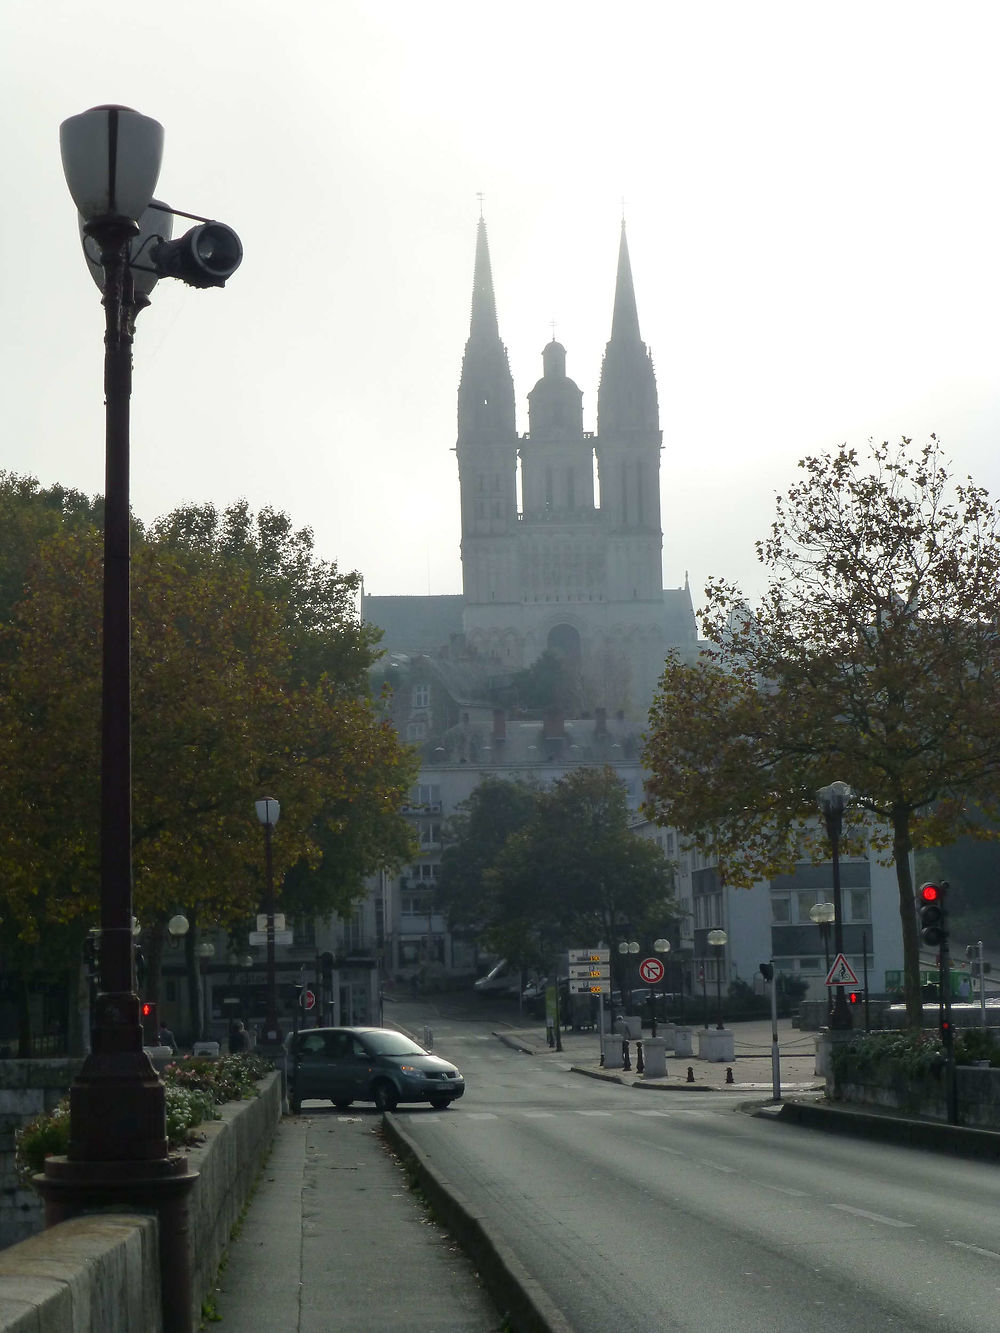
(481, 1115)
(976, 1249)
(539, 1115)
(604, 1113)
(872, 1217)
(716, 1166)
(665, 1114)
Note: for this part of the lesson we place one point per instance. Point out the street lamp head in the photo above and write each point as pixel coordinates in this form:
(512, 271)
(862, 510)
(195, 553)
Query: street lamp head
(834, 799)
(822, 914)
(623, 946)
(717, 939)
(206, 949)
(633, 946)
(661, 946)
(155, 225)
(177, 926)
(111, 159)
(268, 810)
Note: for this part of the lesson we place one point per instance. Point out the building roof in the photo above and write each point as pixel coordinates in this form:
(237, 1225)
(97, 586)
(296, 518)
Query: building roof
(415, 624)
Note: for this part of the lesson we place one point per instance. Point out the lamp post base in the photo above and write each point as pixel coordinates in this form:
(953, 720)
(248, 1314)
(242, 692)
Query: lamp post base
(72, 1188)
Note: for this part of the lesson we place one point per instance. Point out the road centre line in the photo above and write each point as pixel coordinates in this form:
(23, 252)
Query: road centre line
(871, 1217)
(976, 1249)
(782, 1189)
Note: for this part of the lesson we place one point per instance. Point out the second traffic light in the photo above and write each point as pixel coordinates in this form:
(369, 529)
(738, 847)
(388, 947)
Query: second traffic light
(932, 915)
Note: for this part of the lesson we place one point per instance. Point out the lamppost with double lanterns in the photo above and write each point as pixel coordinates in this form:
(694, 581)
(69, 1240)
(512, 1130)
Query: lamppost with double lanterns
(268, 811)
(822, 914)
(833, 801)
(660, 946)
(118, 1150)
(626, 947)
(717, 941)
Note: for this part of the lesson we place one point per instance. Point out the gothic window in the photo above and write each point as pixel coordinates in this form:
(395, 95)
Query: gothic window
(421, 696)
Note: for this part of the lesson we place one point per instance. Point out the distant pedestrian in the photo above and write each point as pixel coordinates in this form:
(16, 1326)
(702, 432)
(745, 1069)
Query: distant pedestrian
(167, 1038)
(239, 1038)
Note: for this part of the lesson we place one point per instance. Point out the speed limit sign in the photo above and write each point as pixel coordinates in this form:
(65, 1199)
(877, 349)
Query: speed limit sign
(307, 999)
(651, 970)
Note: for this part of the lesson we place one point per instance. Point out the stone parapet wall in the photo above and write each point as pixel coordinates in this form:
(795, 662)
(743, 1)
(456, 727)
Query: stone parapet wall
(922, 1094)
(27, 1088)
(227, 1163)
(100, 1273)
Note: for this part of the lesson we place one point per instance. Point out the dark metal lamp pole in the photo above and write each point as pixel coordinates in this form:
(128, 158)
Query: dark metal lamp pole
(833, 801)
(717, 939)
(268, 811)
(118, 1150)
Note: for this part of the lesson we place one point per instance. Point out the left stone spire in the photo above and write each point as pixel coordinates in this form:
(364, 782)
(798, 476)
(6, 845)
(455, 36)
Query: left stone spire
(486, 390)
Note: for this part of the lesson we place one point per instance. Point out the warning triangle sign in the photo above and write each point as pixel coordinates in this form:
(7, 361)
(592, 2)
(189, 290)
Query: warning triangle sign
(841, 974)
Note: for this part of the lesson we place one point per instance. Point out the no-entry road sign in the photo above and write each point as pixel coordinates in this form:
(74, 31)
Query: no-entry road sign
(651, 970)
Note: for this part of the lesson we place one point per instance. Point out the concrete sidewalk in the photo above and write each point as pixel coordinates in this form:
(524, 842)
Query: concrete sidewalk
(335, 1241)
(750, 1071)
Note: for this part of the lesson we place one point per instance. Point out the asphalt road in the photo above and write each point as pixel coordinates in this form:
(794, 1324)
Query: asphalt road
(641, 1210)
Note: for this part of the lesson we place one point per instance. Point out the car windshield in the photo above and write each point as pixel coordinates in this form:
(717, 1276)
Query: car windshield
(392, 1043)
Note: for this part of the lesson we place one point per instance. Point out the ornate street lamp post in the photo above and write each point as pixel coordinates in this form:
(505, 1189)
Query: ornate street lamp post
(823, 914)
(661, 946)
(833, 801)
(626, 947)
(717, 940)
(118, 1151)
(268, 811)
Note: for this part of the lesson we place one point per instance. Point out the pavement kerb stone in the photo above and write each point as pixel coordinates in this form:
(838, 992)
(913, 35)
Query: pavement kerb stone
(520, 1298)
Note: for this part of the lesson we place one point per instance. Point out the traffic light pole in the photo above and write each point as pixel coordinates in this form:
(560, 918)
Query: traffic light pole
(947, 1032)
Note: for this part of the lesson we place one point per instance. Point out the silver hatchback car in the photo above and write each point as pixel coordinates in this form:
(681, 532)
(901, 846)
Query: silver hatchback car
(380, 1065)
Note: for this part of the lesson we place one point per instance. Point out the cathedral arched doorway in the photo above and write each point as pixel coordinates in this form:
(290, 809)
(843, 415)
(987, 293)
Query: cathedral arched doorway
(565, 640)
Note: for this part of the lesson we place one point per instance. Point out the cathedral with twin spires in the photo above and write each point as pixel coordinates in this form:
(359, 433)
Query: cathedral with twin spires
(575, 569)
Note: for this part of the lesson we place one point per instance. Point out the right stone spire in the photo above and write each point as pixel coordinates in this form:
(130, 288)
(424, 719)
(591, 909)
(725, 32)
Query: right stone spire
(626, 399)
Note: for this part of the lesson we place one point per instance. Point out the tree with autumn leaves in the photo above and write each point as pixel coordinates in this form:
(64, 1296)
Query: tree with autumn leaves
(872, 658)
(540, 869)
(248, 679)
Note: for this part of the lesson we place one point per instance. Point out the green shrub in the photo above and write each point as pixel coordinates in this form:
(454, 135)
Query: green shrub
(911, 1052)
(193, 1090)
(972, 1044)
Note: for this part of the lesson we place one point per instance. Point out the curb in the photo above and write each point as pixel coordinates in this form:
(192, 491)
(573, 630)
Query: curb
(598, 1074)
(959, 1140)
(520, 1298)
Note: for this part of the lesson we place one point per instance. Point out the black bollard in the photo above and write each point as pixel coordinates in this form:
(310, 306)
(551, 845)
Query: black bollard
(640, 1067)
(626, 1058)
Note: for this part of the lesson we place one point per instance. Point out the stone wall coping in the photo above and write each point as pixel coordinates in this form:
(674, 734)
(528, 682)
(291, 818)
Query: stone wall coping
(101, 1274)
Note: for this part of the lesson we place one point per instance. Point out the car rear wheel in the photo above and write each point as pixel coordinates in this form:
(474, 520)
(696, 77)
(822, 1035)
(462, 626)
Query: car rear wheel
(385, 1096)
(440, 1103)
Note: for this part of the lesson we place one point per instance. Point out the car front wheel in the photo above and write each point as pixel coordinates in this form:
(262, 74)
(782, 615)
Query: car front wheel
(385, 1096)
(440, 1103)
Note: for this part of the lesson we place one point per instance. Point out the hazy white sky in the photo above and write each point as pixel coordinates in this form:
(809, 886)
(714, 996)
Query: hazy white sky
(813, 213)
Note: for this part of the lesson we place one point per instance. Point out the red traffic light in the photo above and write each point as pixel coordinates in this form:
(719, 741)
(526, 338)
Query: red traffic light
(930, 893)
(855, 996)
(147, 1009)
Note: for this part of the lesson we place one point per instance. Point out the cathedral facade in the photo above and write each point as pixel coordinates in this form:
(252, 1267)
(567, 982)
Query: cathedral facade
(561, 530)
(561, 535)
